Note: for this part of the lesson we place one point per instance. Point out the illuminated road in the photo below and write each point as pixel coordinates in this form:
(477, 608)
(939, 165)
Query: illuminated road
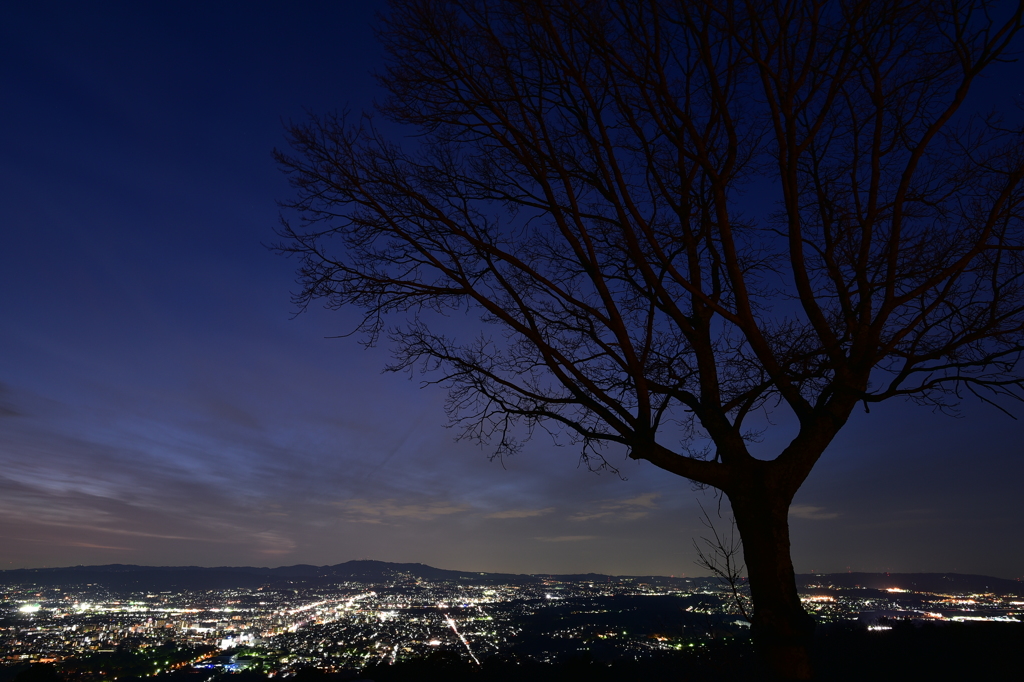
(451, 624)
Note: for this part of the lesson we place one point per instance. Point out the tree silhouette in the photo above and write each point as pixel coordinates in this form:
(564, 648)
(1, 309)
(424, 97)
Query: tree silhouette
(673, 216)
(720, 554)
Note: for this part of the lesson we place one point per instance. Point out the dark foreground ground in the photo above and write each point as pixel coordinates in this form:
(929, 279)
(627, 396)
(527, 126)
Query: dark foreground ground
(955, 651)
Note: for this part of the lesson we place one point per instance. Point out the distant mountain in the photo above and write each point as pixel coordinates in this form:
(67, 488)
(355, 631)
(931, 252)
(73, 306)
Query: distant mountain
(163, 578)
(139, 578)
(958, 583)
(124, 577)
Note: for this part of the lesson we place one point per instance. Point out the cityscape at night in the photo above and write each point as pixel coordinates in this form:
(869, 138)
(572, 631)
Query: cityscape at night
(686, 335)
(355, 617)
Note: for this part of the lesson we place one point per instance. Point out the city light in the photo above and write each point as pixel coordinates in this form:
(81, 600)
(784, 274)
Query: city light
(396, 617)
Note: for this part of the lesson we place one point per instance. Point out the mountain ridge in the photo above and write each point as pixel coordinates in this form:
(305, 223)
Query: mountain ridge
(160, 578)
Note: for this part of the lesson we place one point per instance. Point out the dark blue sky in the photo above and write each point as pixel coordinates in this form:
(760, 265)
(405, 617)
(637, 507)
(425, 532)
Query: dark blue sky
(158, 405)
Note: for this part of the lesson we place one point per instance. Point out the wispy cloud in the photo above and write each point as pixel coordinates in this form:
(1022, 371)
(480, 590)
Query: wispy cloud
(646, 500)
(566, 538)
(806, 511)
(90, 545)
(520, 513)
(274, 543)
(629, 509)
(383, 511)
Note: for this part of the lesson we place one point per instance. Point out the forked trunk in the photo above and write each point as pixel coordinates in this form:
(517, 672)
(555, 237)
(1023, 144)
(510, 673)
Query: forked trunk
(781, 629)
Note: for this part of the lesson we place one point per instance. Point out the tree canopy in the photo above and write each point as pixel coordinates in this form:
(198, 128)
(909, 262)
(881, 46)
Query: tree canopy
(673, 215)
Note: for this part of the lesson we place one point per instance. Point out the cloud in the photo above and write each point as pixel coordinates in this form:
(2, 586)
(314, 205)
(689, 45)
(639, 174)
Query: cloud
(590, 516)
(646, 500)
(806, 511)
(520, 513)
(90, 545)
(620, 510)
(139, 533)
(274, 543)
(566, 538)
(367, 511)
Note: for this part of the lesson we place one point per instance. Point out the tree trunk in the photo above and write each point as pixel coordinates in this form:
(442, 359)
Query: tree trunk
(781, 629)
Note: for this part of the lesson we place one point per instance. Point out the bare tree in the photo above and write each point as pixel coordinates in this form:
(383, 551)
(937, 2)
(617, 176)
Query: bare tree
(672, 216)
(722, 554)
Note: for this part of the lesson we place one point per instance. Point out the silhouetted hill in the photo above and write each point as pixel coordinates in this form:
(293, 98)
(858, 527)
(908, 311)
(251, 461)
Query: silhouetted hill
(140, 578)
(958, 583)
(164, 578)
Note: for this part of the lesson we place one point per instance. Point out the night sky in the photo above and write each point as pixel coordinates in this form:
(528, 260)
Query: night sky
(160, 405)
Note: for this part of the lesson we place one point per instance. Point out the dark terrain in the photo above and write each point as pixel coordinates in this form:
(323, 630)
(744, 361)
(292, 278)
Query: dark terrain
(158, 578)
